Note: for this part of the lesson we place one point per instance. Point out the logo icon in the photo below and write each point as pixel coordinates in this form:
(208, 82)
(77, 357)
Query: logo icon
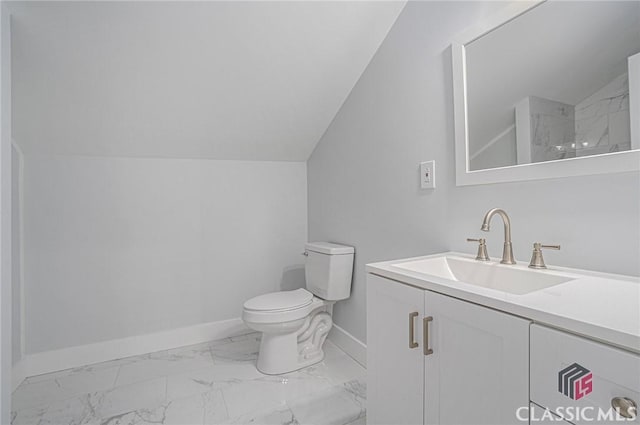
(575, 381)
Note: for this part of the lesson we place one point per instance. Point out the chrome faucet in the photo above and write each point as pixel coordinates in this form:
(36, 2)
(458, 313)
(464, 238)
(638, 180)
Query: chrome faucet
(507, 252)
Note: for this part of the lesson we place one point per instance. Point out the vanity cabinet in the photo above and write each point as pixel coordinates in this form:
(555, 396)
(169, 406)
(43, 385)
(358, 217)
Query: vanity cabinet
(434, 359)
(581, 379)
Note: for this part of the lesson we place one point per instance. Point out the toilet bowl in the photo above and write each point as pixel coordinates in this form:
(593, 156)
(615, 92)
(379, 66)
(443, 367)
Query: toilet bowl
(292, 331)
(295, 324)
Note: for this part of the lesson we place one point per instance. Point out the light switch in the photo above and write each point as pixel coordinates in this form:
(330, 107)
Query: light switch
(428, 174)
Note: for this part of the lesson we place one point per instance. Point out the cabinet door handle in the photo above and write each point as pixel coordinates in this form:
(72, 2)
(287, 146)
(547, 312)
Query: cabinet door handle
(425, 334)
(412, 339)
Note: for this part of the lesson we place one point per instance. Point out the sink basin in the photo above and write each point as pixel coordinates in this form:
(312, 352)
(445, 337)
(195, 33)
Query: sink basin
(516, 280)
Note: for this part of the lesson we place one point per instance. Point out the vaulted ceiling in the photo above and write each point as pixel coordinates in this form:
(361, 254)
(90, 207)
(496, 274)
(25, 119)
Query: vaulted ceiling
(222, 80)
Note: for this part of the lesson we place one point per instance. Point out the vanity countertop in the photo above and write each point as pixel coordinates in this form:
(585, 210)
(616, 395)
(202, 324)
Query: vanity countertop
(601, 306)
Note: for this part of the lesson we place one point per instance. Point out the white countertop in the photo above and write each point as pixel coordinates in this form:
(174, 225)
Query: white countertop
(601, 306)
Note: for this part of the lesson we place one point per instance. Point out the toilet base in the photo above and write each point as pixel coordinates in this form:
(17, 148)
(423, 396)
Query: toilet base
(286, 352)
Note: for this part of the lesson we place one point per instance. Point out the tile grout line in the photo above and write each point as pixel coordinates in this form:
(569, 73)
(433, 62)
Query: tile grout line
(224, 403)
(115, 381)
(204, 408)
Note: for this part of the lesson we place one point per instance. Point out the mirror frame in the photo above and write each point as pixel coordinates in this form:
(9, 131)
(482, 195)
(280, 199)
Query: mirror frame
(617, 162)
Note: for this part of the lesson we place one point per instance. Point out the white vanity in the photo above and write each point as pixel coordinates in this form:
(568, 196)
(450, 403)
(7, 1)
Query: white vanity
(452, 340)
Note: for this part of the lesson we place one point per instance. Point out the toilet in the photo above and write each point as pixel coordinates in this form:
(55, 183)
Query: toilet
(295, 324)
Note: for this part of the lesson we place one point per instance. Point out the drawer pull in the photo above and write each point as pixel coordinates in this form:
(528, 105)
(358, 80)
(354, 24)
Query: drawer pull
(625, 407)
(412, 339)
(425, 335)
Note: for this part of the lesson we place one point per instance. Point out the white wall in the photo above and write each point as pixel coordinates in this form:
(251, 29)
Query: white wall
(363, 175)
(5, 215)
(16, 247)
(116, 247)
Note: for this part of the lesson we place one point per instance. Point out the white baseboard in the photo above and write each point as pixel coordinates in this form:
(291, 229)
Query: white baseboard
(349, 344)
(82, 355)
(71, 357)
(18, 374)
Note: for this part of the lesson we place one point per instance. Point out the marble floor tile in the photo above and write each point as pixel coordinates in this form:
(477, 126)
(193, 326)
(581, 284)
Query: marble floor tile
(239, 350)
(212, 383)
(360, 421)
(63, 386)
(140, 417)
(248, 334)
(28, 416)
(247, 398)
(165, 363)
(98, 407)
(36, 394)
(217, 376)
(282, 416)
(90, 381)
(338, 405)
(75, 411)
(47, 376)
(200, 409)
(115, 364)
(127, 398)
(331, 351)
(337, 370)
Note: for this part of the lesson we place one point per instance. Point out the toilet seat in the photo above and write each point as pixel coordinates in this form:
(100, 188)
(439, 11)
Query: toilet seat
(281, 307)
(280, 301)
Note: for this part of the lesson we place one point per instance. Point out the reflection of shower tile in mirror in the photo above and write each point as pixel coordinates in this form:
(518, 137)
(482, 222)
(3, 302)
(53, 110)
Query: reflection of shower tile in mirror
(552, 132)
(612, 97)
(619, 103)
(592, 132)
(616, 147)
(602, 119)
(620, 128)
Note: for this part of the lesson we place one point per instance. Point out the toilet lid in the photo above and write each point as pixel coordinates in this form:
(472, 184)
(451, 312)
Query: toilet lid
(283, 300)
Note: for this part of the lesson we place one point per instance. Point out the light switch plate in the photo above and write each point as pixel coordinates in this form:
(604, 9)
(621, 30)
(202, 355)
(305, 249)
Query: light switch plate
(428, 174)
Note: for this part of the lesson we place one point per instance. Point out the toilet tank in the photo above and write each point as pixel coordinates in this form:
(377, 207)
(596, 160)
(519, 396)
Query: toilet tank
(328, 270)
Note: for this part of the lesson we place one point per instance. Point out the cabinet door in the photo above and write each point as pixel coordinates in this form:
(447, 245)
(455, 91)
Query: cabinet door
(395, 368)
(478, 372)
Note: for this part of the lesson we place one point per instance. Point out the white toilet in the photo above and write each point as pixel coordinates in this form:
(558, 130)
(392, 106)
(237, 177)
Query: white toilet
(295, 324)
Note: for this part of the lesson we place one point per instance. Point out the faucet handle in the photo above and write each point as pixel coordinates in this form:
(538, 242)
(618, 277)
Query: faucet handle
(537, 261)
(539, 245)
(482, 249)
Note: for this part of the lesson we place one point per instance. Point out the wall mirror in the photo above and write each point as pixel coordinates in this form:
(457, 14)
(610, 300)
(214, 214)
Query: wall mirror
(548, 89)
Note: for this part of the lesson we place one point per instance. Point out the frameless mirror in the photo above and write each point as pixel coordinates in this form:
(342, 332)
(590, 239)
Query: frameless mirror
(557, 83)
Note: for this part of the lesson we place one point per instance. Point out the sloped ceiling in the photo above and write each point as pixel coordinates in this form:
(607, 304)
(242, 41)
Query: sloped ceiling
(222, 80)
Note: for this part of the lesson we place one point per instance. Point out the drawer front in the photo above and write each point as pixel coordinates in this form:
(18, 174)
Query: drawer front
(578, 378)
